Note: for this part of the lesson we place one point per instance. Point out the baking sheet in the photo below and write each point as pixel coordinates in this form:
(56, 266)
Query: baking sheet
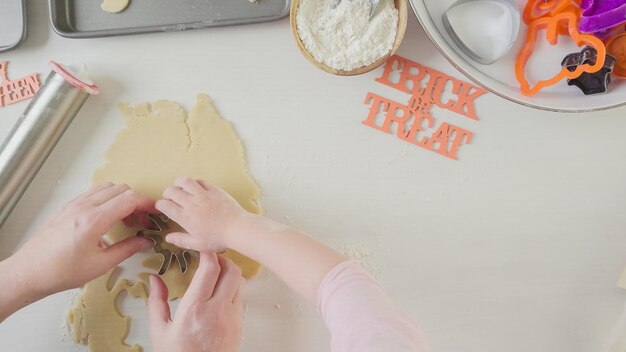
(85, 19)
(12, 24)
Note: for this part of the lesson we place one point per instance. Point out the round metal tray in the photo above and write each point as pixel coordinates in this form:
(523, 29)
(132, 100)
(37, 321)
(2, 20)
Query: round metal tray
(499, 77)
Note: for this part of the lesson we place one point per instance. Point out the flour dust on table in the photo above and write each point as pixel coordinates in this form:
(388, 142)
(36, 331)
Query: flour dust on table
(159, 144)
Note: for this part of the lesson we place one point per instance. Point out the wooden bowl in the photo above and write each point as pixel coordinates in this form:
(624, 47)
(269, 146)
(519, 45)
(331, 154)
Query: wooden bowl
(402, 18)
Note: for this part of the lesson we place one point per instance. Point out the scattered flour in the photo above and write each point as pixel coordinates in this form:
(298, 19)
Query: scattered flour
(64, 328)
(341, 35)
(362, 255)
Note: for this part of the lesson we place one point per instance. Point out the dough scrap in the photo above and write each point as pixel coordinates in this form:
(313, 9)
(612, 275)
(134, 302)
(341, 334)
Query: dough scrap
(114, 6)
(95, 319)
(159, 144)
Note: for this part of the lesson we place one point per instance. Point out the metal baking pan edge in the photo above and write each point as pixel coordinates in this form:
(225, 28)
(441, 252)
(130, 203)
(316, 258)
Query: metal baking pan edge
(152, 29)
(24, 31)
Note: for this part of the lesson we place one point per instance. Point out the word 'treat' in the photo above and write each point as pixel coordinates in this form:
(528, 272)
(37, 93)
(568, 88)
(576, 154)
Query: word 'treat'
(414, 122)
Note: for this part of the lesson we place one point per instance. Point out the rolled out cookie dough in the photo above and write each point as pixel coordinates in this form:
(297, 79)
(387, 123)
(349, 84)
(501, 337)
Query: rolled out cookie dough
(159, 144)
(114, 6)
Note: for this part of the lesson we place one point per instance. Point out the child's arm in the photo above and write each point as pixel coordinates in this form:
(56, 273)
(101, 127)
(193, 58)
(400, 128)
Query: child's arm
(67, 251)
(299, 260)
(355, 308)
(216, 222)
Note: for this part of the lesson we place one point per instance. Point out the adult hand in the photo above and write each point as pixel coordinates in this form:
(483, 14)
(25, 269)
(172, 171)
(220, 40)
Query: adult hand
(68, 251)
(205, 211)
(210, 315)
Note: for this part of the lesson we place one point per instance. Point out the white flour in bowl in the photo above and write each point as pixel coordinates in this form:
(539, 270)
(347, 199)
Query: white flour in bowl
(341, 36)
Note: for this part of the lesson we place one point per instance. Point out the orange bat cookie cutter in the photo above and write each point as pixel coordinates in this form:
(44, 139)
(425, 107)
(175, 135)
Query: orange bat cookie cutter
(551, 24)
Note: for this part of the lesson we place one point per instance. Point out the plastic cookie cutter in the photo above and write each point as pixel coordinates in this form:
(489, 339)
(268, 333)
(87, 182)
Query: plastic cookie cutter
(484, 29)
(616, 46)
(535, 9)
(551, 24)
(601, 15)
(157, 233)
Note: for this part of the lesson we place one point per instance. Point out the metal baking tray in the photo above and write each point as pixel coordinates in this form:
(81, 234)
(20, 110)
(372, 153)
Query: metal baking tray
(12, 24)
(85, 18)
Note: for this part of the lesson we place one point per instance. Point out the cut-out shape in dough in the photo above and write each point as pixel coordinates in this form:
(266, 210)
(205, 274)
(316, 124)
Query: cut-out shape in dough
(114, 6)
(173, 275)
(96, 321)
(159, 144)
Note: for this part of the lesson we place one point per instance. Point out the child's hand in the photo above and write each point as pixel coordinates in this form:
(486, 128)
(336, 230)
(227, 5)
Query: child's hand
(210, 315)
(205, 211)
(68, 251)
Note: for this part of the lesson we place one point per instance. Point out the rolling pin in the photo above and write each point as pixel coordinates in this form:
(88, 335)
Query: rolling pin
(38, 130)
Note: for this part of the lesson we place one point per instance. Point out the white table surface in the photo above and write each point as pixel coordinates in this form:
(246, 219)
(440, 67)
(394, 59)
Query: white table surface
(515, 247)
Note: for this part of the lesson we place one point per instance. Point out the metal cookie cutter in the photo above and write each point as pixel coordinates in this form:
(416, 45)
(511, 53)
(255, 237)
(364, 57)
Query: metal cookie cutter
(157, 234)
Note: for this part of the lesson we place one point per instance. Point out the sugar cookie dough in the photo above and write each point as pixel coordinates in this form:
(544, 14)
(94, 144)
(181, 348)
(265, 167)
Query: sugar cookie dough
(114, 6)
(96, 321)
(159, 144)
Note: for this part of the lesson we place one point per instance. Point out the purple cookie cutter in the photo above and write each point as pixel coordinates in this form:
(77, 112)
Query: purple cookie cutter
(601, 15)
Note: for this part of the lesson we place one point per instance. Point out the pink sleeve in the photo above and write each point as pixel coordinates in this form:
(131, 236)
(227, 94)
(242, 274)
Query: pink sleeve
(360, 315)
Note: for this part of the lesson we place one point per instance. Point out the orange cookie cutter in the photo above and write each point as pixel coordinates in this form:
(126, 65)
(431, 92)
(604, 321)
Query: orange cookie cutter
(551, 24)
(535, 9)
(616, 46)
